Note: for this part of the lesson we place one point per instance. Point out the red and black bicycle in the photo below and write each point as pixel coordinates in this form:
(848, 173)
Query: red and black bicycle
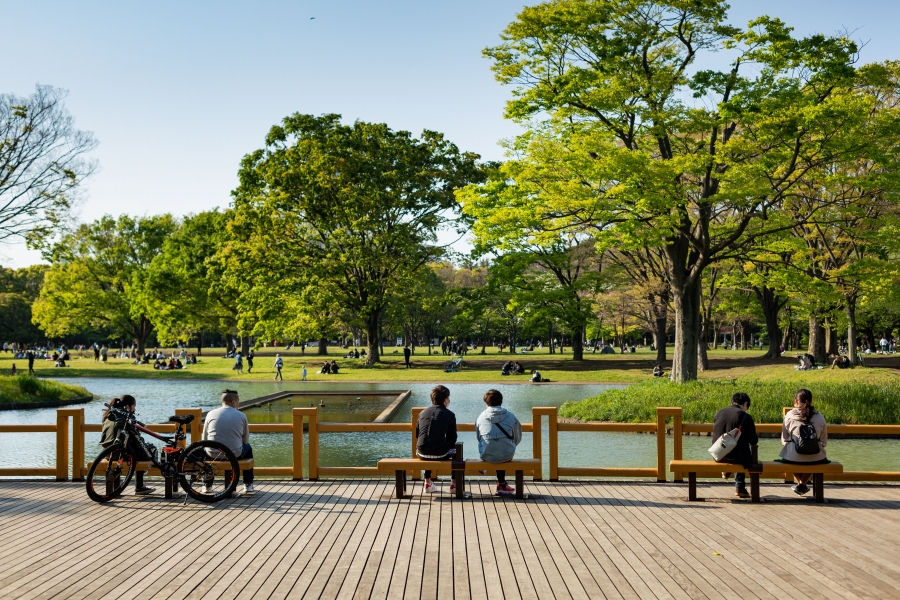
(207, 470)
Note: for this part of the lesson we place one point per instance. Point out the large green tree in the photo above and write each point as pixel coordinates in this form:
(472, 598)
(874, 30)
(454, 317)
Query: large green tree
(98, 277)
(355, 209)
(700, 179)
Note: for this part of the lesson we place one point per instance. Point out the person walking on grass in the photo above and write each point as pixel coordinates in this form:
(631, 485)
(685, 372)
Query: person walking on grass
(238, 363)
(31, 362)
(734, 417)
(436, 433)
(303, 373)
(279, 364)
(250, 362)
(406, 354)
(498, 432)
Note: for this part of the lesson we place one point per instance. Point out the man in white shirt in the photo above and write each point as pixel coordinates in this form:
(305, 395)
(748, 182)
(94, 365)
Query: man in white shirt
(229, 426)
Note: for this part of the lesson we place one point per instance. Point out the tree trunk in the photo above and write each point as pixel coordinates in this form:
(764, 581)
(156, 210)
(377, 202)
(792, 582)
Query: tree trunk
(745, 335)
(816, 340)
(851, 330)
(372, 340)
(245, 345)
(659, 338)
(200, 344)
(771, 306)
(687, 331)
(831, 338)
(323, 347)
(702, 355)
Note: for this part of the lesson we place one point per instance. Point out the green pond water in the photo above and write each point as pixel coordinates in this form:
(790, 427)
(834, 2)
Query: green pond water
(157, 399)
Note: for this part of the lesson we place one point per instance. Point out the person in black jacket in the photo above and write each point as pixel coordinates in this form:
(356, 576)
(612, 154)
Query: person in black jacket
(730, 418)
(436, 433)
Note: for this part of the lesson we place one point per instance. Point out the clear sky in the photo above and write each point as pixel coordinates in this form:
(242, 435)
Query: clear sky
(177, 92)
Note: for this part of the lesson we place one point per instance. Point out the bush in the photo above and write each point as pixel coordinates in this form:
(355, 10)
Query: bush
(849, 402)
(24, 388)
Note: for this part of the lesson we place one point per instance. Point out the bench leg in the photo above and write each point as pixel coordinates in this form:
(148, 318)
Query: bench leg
(111, 485)
(459, 478)
(520, 484)
(819, 487)
(692, 487)
(169, 488)
(400, 483)
(754, 487)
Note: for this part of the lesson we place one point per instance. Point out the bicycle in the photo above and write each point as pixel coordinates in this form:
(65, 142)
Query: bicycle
(208, 471)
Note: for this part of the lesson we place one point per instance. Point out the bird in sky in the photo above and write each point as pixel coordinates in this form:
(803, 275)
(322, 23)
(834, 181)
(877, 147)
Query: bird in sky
(312, 18)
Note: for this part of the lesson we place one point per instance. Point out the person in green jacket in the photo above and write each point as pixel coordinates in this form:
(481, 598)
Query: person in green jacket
(112, 425)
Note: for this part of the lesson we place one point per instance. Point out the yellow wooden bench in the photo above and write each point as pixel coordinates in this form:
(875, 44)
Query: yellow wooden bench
(170, 484)
(458, 470)
(713, 469)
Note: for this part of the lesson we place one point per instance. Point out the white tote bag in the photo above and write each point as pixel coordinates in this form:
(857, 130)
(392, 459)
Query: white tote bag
(725, 444)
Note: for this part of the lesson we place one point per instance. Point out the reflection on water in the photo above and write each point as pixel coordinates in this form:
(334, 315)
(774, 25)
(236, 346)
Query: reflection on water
(159, 399)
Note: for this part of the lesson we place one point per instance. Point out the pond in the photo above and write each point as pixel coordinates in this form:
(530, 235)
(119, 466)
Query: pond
(158, 399)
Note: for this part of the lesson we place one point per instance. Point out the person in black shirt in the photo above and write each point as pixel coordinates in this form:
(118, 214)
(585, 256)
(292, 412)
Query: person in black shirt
(436, 433)
(406, 353)
(730, 418)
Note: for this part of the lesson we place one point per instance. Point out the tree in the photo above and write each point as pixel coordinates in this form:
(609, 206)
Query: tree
(98, 277)
(355, 208)
(700, 182)
(42, 162)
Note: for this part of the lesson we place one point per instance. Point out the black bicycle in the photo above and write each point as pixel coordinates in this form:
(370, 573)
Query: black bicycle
(207, 470)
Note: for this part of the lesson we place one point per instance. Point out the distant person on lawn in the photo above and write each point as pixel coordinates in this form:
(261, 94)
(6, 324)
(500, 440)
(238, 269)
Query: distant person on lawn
(498, 432)
(730, 418)
(229, 426)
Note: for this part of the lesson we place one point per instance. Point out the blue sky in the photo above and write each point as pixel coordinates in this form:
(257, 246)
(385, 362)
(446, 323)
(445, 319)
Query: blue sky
(178, 92)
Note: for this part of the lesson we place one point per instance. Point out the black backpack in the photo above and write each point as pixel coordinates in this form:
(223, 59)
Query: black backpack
(807, 441)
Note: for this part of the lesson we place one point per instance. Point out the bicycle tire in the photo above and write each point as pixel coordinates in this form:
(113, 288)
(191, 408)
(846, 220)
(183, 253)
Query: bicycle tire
(202, 471)
(113, 481)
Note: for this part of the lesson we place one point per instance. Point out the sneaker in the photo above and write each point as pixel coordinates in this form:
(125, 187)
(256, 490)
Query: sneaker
(504, 489)
(741, 493)
(248, 488)
(430, 488)
(206, 489)
(800, 489)
(143, 491)
(452, 486)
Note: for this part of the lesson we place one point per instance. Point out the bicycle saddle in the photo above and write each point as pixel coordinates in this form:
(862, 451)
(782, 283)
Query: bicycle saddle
(183, 419)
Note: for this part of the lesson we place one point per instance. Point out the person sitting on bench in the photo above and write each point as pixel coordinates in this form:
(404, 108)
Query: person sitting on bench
(436, 433)
(112, 425)
(498, 432)
(730, 418)
(804, 435)
(229, 426)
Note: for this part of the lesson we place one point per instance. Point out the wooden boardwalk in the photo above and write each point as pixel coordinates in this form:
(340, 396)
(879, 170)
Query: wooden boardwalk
(343, 538)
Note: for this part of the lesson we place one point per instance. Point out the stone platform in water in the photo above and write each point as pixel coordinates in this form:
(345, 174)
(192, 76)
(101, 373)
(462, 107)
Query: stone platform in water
(348, 538)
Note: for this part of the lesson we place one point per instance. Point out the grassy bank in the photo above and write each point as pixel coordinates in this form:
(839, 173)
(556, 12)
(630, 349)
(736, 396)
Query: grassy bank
(869, 396)
(24, 389)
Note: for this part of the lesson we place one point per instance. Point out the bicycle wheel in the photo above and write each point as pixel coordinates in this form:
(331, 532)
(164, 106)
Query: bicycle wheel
(208, 471)
(110, 473)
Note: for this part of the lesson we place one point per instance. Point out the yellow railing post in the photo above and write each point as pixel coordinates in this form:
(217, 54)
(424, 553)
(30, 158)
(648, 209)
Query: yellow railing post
(661, 413)
(554, 444)
(784, 411)
(536, 442)
(62, 444)
(77, 415)
(552, 414)
(677, 440)
(313, 443)
(415, 475)
(297, 435)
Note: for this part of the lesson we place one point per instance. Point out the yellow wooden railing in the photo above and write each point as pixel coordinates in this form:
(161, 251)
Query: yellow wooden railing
(310, 418)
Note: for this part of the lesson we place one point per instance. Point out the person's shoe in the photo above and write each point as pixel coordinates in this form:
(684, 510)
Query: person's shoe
(430, 488)
(741, 493)
(248, 488)
(205, 489)
(726, 475)
(452, 486)
(143, 491)
(800, 489)
(504, 489)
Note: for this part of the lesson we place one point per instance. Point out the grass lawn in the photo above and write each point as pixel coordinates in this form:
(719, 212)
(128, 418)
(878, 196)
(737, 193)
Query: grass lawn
(24, 389)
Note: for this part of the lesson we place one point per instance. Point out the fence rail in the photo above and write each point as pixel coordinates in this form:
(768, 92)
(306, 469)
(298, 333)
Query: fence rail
(306, 421)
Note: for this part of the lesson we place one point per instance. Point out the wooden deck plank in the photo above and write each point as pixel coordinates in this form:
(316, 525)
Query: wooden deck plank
(346, 538)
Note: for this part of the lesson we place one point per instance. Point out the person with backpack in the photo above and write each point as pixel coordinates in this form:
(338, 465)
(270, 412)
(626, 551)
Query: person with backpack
(804, 435)
(735, 417)
(498, 432)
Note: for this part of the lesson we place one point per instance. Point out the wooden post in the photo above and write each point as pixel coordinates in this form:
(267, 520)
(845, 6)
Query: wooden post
(536, 442)
(77, 415)
(676, 442)
(554, 444)
(788, 478)
(416, 411)
(313, 443)
(62, 445)
(661, 448)
(297, 434)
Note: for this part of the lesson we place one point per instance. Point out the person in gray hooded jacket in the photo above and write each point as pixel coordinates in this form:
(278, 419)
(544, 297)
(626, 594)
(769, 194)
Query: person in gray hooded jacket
(498, 432)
